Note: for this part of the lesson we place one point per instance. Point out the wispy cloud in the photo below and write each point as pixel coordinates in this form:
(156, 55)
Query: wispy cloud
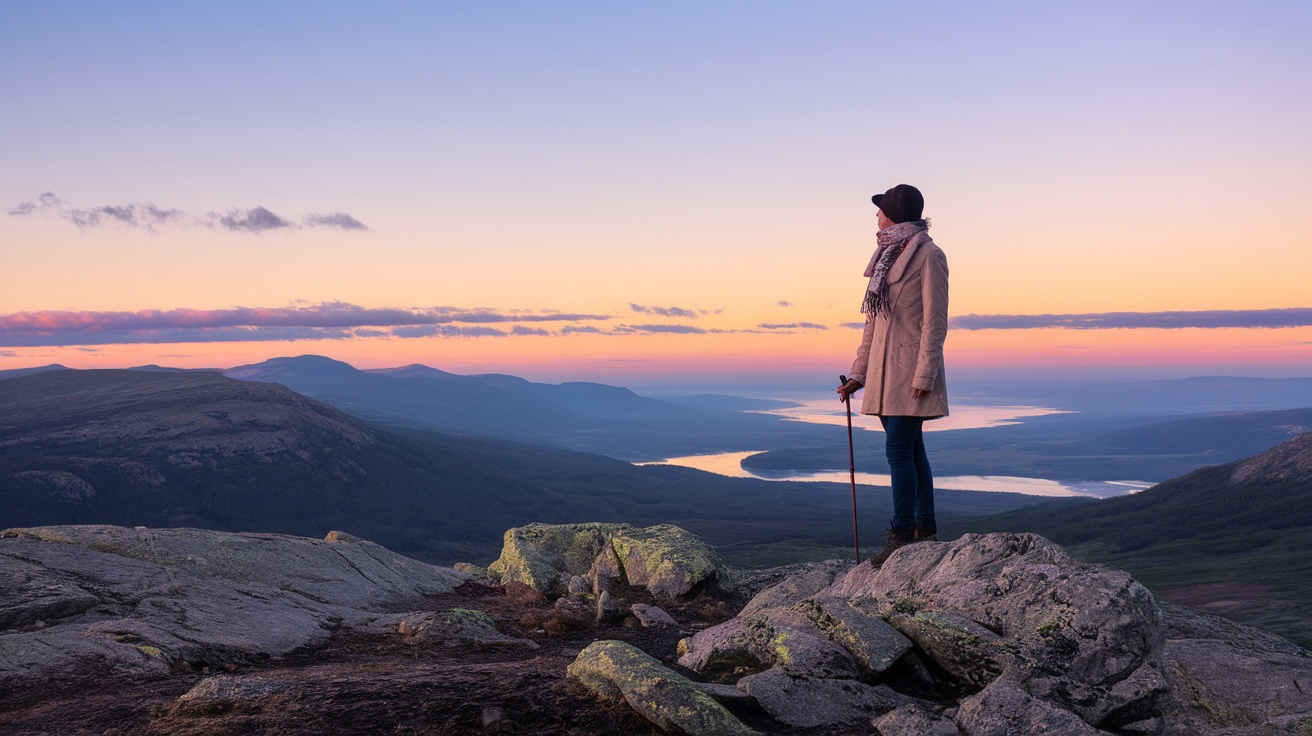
(254, 220)
(854, 325)
(1214, 319)
(330, 321)
(8, 354)
(148, 216)
(659, 330)
(792, 326)
(785, 303)
(334, 219)
(666, 311)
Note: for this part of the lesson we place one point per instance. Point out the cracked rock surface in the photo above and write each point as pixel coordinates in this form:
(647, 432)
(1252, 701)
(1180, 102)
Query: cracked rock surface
(152, 600)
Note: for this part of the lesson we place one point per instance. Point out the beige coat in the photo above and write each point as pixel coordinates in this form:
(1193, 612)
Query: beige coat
(902, 347)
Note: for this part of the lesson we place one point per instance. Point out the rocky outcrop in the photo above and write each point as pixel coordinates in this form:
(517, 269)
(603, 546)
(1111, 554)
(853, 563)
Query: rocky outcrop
(1291, 460)
(616, 670)
(155, 600)
(666, 560)
(1023, 639)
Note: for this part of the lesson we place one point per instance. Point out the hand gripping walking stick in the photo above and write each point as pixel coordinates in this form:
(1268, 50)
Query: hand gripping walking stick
(851, 468)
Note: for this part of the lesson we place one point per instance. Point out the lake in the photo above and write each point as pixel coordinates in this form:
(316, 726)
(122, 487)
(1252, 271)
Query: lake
(831, 411)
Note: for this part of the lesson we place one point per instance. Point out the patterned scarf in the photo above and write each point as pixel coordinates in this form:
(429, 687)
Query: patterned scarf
(892, 240)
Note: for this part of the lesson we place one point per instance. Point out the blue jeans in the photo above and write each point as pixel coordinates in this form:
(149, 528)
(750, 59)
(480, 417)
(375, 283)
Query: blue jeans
(913, 483)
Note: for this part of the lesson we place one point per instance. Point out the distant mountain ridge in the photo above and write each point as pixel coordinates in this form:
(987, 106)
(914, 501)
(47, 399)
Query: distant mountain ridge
(589, 417)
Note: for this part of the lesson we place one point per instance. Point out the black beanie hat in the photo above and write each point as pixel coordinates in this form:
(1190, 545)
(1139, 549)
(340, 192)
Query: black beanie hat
(902, 203)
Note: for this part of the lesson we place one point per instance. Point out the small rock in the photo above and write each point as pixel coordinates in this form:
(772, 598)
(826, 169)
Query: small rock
(336, 536)
(480, 574)
(492, 714)
(224, 692)
(607, 609)
(522, 593)
(653, 616)
(614, 669)
(577, 585)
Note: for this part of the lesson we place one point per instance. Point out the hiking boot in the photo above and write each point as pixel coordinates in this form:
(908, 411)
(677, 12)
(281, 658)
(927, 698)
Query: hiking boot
(896, 538)
(923, 536)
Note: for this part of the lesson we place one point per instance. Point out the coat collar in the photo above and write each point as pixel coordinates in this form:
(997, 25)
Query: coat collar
(909, 252)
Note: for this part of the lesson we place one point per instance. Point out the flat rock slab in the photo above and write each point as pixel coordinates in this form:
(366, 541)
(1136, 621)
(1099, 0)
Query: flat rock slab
(1004, 709)
(152, 600)
(653, 617)
(811, 702)
(615, 669)
(776, 637)
(914, 720)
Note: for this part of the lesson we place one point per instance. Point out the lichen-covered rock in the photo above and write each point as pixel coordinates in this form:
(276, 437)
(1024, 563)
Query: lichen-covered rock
(777, 637)
(458, 627)
(615, 669)
(914, 720)
(797, 586)
(546, 556)
(653, 617)
(729, 651)
(667, 560)
(808, 702)
(1071, 632)
(872, 641)
(969, 652)
(1004, 709)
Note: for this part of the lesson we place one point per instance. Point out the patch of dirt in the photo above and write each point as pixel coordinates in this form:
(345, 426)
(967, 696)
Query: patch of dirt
(383, 684)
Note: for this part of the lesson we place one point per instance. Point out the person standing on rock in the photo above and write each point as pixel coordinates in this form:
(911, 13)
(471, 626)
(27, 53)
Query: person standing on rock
(900, 360)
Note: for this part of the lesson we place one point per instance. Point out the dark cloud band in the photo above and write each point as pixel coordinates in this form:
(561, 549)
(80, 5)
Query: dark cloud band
(1215, 319)
(330, 321)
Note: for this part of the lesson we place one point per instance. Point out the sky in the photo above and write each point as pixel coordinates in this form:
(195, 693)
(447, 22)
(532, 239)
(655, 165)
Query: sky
(652, 193)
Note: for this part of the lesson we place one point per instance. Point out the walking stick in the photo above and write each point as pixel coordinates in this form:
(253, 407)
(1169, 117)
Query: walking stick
(851, 469)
